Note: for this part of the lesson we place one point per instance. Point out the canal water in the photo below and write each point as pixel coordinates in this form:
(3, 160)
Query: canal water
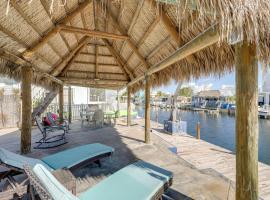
(216, 129)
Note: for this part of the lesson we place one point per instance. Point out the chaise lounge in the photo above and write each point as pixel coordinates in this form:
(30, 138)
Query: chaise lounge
(138, 181)
(71, 158)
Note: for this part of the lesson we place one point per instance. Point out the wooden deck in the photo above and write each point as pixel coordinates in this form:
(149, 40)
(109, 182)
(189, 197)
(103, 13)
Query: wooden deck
(204, 156)
(189, 182)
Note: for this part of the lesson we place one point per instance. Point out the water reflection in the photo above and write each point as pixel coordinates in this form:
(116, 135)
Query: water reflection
(216, 129)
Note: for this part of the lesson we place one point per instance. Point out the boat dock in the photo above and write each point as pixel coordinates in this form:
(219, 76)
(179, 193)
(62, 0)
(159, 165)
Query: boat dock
(209, 157)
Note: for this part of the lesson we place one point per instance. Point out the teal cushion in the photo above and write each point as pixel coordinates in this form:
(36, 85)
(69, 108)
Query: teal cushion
(19, 161)
(140, 180)
(56, 190)
(74, 156)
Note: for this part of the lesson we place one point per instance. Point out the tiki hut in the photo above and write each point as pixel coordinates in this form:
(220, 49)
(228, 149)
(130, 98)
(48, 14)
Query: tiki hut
(140, 44)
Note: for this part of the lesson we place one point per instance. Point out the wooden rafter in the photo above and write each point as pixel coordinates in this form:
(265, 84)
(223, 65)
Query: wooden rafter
(93, 54)
(93, 73)
(101, 86)
(68, 65)
(92, 81)
(118, 59)
(91, 33)
(123, 32)
(171, 28)
(205, 39)
(64, 2)
(57, 69)
(145, 36)
(96, 62)
(133, 22)
(28, 53)
(45, 5)
(31, 24)
(155, 50)
(24, 63)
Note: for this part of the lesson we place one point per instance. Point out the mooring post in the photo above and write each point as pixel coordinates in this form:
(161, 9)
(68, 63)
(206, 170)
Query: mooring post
(198, 131)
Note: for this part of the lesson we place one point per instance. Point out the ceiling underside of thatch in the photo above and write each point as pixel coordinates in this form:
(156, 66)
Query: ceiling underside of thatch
(89, 61)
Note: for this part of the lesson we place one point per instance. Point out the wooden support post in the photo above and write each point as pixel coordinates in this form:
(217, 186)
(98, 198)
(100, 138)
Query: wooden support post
(69, 104)
(128, 107)
(61, 104)
(246, 65)
(147, 110)
(26, 76)
(198, 131)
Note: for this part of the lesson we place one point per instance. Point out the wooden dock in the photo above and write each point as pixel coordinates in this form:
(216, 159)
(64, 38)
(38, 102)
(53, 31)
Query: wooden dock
(204, 155)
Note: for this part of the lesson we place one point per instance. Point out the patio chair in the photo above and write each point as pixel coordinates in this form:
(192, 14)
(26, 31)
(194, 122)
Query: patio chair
(71, 159)
(54, 123)
(50, 141)
(140, 180)
(98, 118)
(11, 166)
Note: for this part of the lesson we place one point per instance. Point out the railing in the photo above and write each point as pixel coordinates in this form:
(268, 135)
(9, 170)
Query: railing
(76, 109)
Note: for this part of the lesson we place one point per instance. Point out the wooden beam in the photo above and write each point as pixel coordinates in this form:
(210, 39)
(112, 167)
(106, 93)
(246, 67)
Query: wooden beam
(247, 131)
(102, 86)
(118, 59)
(205, 39)
(57, 69)
(68, 65)
(92, 81)
(31, 24)
(170, 27)
(46, 7)
(134, 21)
(61, 103)
(96, 62)
(123, 32)
(145, 36)
(93, 54)
(128, 107)
(92, 33)
(93, 73)
(26, 126)
(22, 62)
(147, 127)
(28, 53)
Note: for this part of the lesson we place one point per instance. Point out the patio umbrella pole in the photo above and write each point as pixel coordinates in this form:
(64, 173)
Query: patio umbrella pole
(128, 107)
(147, 110)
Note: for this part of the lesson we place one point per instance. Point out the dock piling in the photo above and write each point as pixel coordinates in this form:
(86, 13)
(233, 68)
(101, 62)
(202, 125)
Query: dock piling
(198, 131)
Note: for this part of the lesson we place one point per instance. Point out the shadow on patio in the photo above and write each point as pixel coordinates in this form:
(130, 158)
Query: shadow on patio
(188, 183)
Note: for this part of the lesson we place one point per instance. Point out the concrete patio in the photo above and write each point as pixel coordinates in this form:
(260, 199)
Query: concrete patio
(189, 182)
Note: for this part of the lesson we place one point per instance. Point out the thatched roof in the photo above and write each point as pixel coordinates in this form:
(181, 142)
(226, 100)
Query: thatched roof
(209, 93)
(141, 34)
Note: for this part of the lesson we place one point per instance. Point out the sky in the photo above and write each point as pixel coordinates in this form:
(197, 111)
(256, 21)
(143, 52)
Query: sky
(217, 82)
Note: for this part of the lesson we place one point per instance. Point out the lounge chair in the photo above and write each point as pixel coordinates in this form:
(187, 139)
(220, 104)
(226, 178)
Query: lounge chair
(71, 158)
(57, 138)
(138, 181)
(54, 123)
